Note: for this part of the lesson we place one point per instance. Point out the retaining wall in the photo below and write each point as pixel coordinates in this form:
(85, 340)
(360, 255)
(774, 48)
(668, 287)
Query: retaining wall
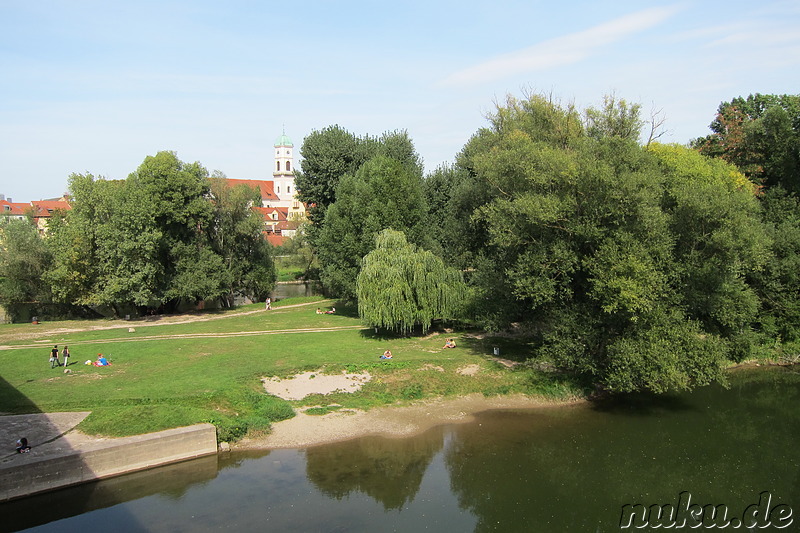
(102, 459)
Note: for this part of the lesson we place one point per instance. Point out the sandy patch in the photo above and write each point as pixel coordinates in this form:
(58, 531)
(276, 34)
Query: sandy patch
(309, 430)
(301, 385)
(468, 370)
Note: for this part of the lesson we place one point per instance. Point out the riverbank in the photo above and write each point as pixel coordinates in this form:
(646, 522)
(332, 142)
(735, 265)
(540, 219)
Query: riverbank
(306, 430)
(60, 456)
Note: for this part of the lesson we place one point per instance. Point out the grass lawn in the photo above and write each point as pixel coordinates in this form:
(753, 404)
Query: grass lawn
(170, 375)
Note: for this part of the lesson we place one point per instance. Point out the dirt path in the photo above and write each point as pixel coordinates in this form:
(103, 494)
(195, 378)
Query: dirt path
(167, 320)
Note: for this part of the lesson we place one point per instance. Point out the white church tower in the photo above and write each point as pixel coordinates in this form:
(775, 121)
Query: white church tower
(283, 170)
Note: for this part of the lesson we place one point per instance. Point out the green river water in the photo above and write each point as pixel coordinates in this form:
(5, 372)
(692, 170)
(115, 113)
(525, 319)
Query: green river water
(559, 469)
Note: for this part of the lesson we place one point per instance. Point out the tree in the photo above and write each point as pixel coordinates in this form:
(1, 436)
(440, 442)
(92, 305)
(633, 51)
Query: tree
(617, 258)
(237, 240)
(23, 259)
(160, 238)
(401, 287)
(778, 283)
(761, 135)
(327, 155)
(75, 276)
(382, 194)
(616, 118)
(331, 153)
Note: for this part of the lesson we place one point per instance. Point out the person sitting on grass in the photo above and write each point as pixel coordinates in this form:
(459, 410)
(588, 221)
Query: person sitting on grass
(387, 354)
(101, 360)
(319, 311)
(450, 343)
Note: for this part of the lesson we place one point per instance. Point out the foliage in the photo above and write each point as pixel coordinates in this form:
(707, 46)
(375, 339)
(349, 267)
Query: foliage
(332, 153)
(761, 135)
(236, 239)
(166, 235)
(778, 284)
(400, 287)
(616, 118)
(382, 194)
(23, 260)
(327, 155)
(601, 247)
(74, 243)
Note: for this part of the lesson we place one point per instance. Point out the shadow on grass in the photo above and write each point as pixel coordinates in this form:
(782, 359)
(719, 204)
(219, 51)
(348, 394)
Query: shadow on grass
(14, 402)
(510, 348)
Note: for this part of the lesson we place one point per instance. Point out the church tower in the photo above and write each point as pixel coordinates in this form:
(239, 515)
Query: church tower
(283, 170)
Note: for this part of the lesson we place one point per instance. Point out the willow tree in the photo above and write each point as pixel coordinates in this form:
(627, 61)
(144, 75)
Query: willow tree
(400, 286)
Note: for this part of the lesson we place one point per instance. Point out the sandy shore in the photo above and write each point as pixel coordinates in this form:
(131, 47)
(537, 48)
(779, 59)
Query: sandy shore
(54, 433)
(305, 430)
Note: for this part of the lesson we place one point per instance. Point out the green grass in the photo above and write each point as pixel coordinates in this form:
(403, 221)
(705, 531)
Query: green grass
(212, 372)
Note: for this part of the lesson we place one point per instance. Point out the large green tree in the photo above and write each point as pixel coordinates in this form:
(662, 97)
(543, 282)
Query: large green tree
(629, 265)
(761, 135)
(332, 153)
(382, 194)
(73, 240)
(401, 287)
(23, 260)
(327, 155)
(236, 238)
(161, 238)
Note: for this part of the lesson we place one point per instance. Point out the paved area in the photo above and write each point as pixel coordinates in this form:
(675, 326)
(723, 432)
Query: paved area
(49, 435)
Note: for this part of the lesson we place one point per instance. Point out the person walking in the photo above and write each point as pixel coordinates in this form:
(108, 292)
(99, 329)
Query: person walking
(65, 356)
(54, 357)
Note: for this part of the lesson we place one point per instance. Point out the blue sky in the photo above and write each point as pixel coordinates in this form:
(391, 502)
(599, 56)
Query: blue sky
(96, 86)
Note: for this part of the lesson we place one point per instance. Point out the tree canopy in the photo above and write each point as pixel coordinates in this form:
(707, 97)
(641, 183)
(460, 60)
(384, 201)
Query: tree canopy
(168, 234)
(382, 194)
(601, 247)
(759, 134)
(400, 286)
(23, 260)
(332, 153)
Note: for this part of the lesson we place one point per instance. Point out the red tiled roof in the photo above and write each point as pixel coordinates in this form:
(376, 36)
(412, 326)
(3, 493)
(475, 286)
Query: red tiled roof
(51, 205)
(267, 212)
(265, 187)
(275, 240)
(15, 208)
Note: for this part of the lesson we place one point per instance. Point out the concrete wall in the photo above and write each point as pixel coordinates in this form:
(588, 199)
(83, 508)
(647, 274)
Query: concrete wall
(106, 458)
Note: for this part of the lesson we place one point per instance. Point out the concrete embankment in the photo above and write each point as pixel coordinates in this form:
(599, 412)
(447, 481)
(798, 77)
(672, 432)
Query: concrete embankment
(61, 463)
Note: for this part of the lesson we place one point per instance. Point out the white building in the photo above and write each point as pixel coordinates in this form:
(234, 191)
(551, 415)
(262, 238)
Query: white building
(283, 171)
(283, 178)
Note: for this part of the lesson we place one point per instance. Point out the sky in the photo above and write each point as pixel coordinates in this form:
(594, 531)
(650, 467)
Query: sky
(97, 86)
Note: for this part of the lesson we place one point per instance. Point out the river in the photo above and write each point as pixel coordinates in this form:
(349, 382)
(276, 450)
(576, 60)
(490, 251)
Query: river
(554, 469)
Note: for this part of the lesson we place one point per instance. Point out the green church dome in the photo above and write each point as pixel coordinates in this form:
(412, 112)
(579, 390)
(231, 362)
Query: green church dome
(283, 140)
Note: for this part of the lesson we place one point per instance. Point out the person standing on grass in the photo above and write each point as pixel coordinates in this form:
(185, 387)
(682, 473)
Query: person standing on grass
(268, 305)
(65, 355)
(54, 357)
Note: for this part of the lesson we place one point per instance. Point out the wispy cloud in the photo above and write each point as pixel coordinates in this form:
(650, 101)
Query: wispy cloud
(564, 50)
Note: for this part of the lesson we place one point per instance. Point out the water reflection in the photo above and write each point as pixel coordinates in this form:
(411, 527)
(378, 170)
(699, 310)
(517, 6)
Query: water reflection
(388, 470)
(555, 469)
(573, 469)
